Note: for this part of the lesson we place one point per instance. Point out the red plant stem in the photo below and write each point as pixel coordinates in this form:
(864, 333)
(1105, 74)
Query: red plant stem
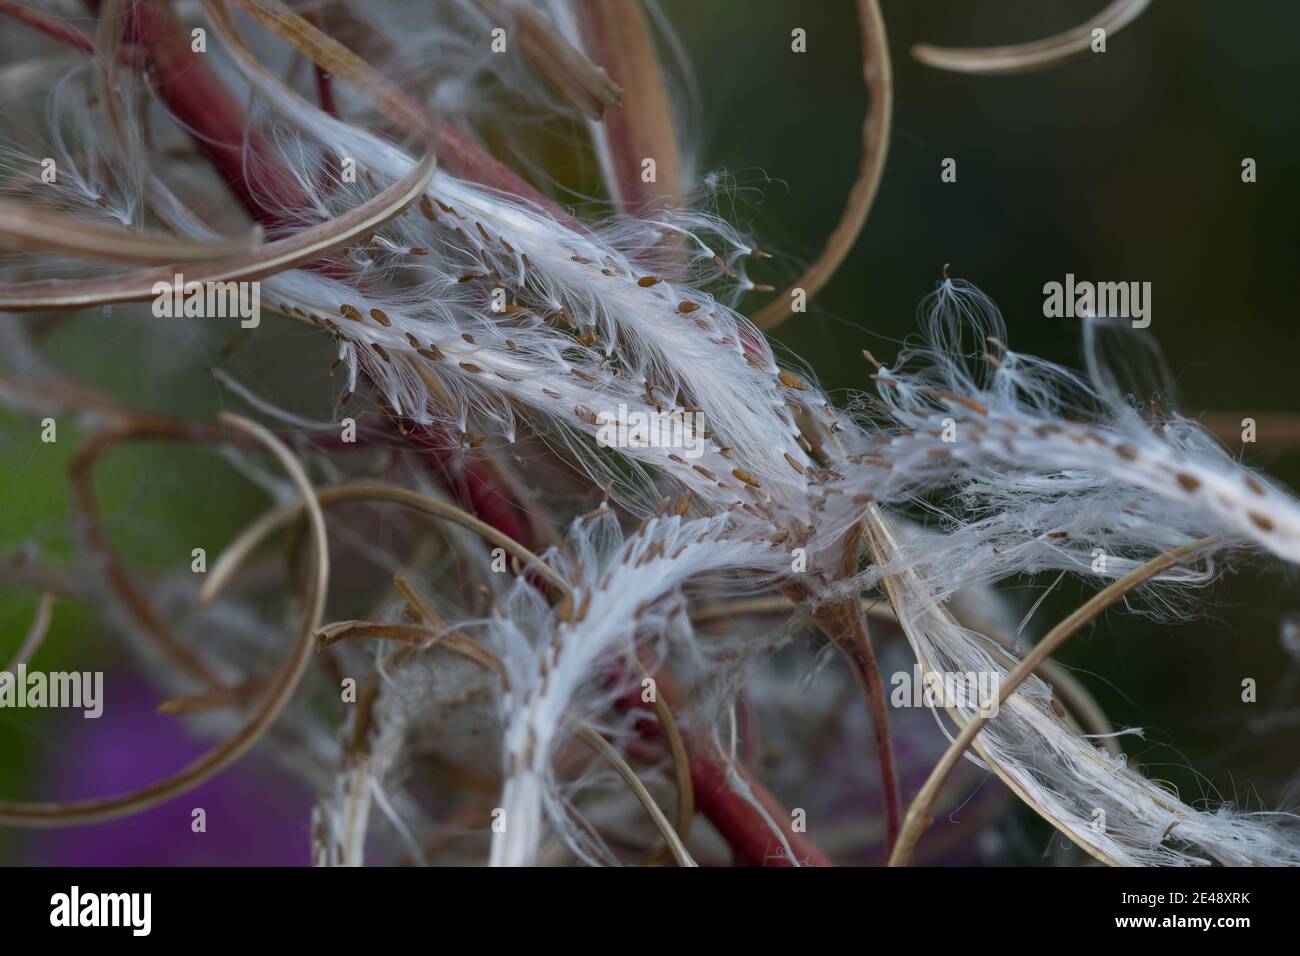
(743, 825)
(196, 95)
(617, 37)
(475, 484)
(754, 840)
(867, 673)
(51, 26)
(844, 623)
(324, 82)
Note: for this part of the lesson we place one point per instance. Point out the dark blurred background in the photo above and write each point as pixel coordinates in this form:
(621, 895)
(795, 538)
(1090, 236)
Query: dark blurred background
(1122, 166)
(1117, 166)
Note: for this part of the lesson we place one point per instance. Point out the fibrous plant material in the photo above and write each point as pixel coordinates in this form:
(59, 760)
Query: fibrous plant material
(601, 483)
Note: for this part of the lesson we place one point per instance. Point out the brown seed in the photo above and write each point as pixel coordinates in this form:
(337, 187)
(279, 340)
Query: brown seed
(1261, 522)
(470, 367)
(1190, 483)
(1127, 452)
(350, 312)
(742, 475)
(647, 281)
(790, 380)
(793, 463)
(381, 317)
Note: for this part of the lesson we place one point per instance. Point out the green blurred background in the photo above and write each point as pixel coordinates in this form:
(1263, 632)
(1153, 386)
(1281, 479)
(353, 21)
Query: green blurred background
(1119, 166)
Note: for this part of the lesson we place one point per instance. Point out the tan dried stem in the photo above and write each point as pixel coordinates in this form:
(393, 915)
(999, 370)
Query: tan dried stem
(1278, 431)
(582, 84)
(774, 604)
(248, 539)
(237, 696)
(302, 247)
(681, 766)
(117, 578)
(40, 626)
(27, 229)
(410, 635)
(589, 736)
(919, 813)
(875, 148)
(333, 57)
(884, 547)
(1074, 696)
(285, 683)
(1038, 55)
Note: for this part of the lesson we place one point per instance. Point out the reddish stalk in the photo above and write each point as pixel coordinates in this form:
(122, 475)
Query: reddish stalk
(745, 827)
(845, 623)
(741, 824)
(194, 93)
(324, 82)
(65, 33)
(641, 127)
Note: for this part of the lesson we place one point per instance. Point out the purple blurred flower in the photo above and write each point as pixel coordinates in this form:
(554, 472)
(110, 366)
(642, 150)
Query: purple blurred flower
(256, 815)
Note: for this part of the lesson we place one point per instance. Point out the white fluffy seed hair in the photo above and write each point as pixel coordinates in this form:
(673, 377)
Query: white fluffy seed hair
(1094, 798)
(626, 592)
(1027, 466)
(1014, 431)
(647, 341)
